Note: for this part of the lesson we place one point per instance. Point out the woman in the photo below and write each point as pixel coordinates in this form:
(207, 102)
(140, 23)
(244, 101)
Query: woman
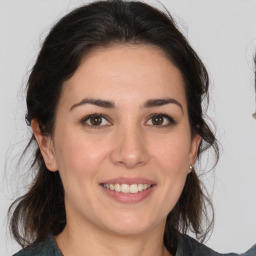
(115, 104)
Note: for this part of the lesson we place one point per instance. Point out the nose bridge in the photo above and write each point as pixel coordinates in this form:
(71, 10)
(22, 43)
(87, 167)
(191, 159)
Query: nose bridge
(130, 148)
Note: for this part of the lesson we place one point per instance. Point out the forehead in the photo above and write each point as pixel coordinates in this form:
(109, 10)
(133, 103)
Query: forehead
(125, 71)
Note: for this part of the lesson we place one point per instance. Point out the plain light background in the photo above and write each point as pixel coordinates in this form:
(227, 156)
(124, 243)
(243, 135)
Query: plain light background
(222, 32)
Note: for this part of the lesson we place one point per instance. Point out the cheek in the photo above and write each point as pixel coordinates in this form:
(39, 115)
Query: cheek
(173, 154)
(75, 154)
(79, 161)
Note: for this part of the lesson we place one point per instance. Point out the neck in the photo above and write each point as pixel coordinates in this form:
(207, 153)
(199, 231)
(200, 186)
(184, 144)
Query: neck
(75, 241)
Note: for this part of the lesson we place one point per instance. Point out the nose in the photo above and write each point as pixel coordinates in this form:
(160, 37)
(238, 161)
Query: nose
(130, 148)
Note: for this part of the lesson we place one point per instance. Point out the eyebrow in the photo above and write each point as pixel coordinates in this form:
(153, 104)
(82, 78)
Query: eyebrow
(109, 104)
(96, 102)
(162, 102)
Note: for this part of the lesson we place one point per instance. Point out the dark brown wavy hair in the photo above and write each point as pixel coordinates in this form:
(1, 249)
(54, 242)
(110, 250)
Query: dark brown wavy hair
(104, 23)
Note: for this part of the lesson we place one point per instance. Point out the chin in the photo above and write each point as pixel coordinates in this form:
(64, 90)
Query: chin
(131, 225)
(129, 230)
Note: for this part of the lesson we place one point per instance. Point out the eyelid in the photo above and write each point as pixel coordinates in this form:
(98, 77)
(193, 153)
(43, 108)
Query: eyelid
(86, 118)
(170, 119)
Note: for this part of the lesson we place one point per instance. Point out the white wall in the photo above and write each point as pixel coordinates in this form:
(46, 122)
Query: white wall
(223, 33)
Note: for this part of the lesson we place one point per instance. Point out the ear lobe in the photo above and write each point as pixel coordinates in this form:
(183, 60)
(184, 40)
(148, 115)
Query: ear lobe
(194, 149)
(45, 144)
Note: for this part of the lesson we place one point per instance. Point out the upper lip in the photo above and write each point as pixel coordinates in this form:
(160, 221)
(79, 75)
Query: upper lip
(128, 181)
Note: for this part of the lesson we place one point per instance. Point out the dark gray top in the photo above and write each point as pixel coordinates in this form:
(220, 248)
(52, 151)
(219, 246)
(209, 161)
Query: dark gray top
(187, 246)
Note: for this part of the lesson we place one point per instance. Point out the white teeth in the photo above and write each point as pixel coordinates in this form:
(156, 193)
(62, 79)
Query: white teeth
(140, 187)
(118, 188)
(134, 188)
(125, 188)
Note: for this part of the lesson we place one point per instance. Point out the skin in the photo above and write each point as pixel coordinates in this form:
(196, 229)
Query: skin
(128, 143)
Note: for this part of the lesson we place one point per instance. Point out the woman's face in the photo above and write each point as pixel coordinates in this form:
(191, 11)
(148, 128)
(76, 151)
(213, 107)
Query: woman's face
(122, 140)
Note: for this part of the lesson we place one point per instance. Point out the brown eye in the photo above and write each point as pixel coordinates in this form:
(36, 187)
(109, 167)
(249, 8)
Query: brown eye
(157, 120)
(161, 120)
(95, 120)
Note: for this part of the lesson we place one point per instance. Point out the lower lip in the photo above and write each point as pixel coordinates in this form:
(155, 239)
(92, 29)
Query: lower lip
(129, 197)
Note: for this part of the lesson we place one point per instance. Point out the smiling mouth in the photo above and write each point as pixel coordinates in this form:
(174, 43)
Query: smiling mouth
(127, 189)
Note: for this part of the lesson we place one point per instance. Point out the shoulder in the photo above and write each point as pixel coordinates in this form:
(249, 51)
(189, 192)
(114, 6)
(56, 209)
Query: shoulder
(251, 252)
(188, 246)
(43, 248)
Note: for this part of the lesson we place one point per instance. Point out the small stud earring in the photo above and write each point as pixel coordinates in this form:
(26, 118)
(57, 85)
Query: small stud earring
(191, 167)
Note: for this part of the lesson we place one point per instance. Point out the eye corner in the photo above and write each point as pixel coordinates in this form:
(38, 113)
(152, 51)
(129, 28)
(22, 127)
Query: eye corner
(96, 121)
(162, 120)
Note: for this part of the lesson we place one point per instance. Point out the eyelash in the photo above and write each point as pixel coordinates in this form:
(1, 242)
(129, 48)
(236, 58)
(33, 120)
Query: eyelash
(171, 121)
(98, 115)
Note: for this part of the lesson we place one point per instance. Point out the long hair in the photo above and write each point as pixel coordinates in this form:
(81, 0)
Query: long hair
(104, 23)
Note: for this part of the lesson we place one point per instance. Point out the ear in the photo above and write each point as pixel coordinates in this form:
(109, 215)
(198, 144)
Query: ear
(45, 144)
(194, 149)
